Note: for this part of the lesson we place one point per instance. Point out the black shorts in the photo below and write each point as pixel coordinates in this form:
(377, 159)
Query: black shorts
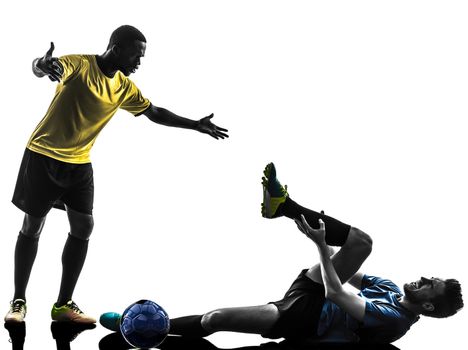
(299, 310)
(44, 182)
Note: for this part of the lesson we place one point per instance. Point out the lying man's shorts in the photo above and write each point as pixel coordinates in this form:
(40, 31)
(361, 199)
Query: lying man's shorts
(299, 310)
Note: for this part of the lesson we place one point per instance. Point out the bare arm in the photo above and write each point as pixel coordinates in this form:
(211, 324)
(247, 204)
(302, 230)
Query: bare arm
(165, 117)
(48, 65)
(334, 291)
(356, 280)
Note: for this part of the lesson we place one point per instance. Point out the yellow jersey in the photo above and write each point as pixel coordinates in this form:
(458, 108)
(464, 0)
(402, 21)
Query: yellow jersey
(84, 102)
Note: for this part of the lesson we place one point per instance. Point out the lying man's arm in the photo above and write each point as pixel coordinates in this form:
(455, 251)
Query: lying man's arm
(356, 280)
(351, 303)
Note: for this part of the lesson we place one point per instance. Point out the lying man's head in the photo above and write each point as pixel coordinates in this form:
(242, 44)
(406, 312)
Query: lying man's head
(435, 297)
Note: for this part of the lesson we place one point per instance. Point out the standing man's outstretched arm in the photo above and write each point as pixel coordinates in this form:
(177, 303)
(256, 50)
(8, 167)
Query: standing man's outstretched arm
(48, 65)
(334, 291)
(163, 116)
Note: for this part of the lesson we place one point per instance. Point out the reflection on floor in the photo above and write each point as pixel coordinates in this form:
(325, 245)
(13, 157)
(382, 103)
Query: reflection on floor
(115, 341)
(65, 333)
(17, 334)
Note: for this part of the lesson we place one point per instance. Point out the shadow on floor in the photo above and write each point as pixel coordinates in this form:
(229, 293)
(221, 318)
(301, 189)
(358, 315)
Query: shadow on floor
(115, 341)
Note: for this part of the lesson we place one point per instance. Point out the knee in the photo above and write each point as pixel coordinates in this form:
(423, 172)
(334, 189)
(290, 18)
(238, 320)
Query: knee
(82, 229)
(360, 239)
(211, 320)
(31, 233)
(32, 227)
(33, 236)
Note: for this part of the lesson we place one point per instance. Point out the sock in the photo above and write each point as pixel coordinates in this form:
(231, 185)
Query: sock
(25, 254)
(188, 326)
(336, 231)
(73, 258)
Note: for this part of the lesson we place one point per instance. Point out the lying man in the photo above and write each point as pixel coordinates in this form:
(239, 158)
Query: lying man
(316, 307)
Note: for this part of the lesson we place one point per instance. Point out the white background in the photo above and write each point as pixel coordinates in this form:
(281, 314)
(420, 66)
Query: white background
(360, 104)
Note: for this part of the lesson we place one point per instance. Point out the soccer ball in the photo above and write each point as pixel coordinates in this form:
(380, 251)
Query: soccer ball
(144, 324)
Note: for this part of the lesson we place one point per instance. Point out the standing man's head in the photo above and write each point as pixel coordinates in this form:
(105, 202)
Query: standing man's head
(127, 45)
(434, 297)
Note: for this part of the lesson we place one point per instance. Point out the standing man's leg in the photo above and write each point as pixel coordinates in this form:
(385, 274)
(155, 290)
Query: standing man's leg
(25, 255)
(78, 200)
(73, 258)
(25, 252)
(34, 194)
(74, 253)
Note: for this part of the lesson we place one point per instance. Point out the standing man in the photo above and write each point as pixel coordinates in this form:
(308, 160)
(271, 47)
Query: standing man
(56, 170)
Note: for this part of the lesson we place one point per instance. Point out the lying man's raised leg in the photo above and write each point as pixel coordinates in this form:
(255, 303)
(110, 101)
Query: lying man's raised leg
(356, 245)
(276, 203)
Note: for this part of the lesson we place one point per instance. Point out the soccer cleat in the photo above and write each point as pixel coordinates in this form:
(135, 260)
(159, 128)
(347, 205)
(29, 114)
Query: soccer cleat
(70, 312)
(17, 311)
(111, 321)
(274, 194)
